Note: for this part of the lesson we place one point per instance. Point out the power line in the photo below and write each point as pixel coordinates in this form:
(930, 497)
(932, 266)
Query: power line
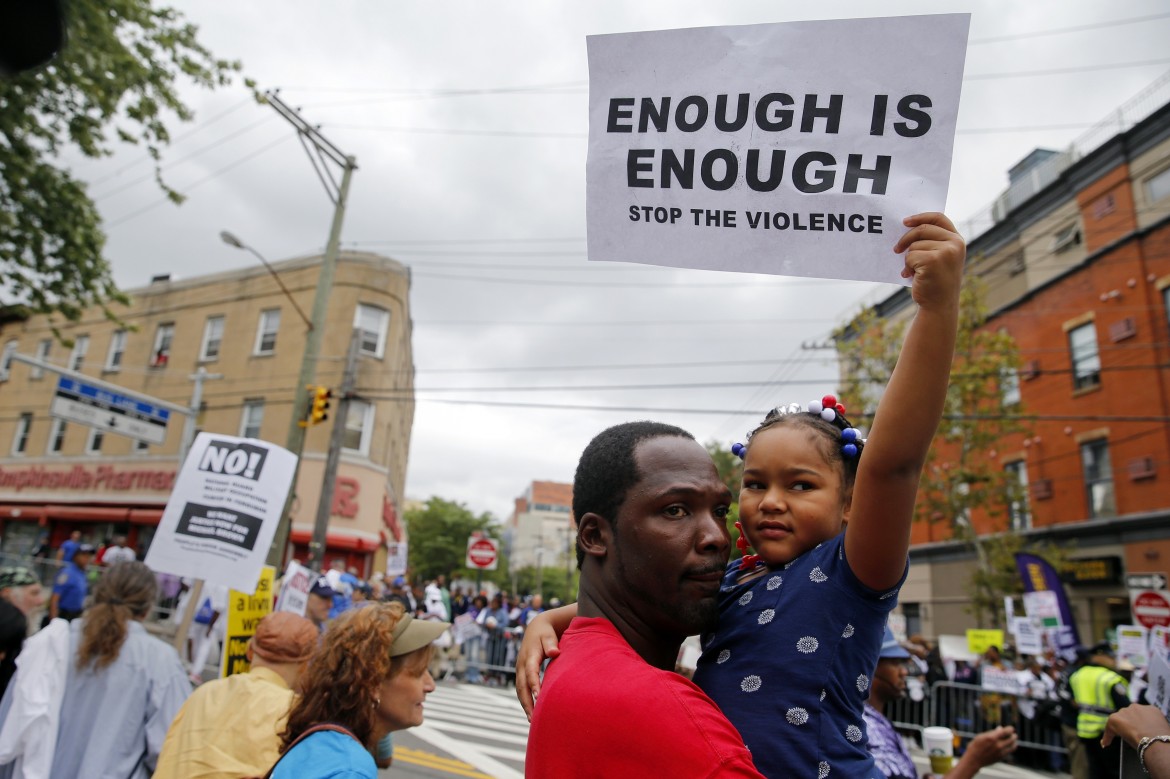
(1066, 30)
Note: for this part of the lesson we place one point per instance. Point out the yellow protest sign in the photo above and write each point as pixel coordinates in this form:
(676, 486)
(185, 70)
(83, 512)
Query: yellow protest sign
(978, 641)
(244, 611)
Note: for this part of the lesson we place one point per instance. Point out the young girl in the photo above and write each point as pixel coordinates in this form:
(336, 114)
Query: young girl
(801, 620)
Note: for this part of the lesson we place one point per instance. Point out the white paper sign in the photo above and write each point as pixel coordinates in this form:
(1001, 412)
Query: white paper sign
(1159, 675)
(793, 149)
(222, 514)
(1133, 644)
(396, 559)
(1029, 639)
(294, 588)
(999, 680)
(1043, 605)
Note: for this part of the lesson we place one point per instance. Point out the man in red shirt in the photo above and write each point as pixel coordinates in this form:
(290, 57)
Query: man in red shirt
(652, 545)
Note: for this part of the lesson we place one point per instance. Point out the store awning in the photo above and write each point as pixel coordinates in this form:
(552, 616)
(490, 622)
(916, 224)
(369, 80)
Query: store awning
(338, 541)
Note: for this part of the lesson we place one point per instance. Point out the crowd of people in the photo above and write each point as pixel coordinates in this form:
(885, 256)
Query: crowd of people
(99, 695)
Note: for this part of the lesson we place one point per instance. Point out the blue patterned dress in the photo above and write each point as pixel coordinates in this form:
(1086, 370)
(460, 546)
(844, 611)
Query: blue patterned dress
(791, 663)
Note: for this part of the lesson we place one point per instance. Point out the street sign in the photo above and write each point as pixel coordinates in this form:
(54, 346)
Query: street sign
(127, 415)
(1145, 581)
(482, 554)
(1151, 608)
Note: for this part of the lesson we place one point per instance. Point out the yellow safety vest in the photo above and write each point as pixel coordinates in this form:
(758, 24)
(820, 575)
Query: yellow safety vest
(1092, 688)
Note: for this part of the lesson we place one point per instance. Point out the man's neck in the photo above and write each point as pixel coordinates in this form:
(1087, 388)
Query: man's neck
(656, 649)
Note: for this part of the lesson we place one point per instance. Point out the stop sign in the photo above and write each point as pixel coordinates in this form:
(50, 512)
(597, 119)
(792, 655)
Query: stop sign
(1151, 608)
(481, 554)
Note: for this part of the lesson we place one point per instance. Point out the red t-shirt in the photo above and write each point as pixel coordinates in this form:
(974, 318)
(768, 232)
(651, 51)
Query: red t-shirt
(604, 711)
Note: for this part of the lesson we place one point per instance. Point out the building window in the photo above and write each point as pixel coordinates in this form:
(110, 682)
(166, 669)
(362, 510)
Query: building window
(20, 437)
(1065, 238)
(371, 321)
(6, 359)
(56, 437)
(359, 423)
(913, 614)
(93, 444)
(1019, 513)
(251, 418)
(117, 348)
(212, 339)
(140, 446)
(1098, 473)
(266, 332)
(1086, 361)
(1009, 387)
(77, 357)
(1166, 303)
(43, 348)
(160, 355)
(1158, 186)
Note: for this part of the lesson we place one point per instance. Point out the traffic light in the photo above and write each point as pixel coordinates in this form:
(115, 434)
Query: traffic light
(319, 404)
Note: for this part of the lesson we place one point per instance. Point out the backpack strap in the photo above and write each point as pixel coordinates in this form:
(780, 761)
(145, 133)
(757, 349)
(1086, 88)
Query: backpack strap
(315, 729)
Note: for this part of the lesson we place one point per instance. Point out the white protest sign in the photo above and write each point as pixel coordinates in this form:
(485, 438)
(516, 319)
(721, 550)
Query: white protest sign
(1000, 680)
(1029, 640)
(1043, 605)
(793, 149)
(955, 648)
(1133, 644)
(222, 514)
(1158, 692)
(396, 555)
(294, 588)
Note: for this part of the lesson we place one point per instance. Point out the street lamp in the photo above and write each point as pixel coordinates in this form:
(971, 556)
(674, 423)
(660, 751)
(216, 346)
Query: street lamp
(231, 240)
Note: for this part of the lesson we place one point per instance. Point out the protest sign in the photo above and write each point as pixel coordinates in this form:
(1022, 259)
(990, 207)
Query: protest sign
(294, 588)
(1029, 640)
(245, 610)
(1159, 676)
(223, 511)
(1133, 645)
(793, 149)
(396, 559)
(979, 641)
(1043, 605)
(955, 648)
(1000, 680)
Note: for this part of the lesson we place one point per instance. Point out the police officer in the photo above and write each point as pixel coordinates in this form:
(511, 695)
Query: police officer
(1098, 691)
(71, 586)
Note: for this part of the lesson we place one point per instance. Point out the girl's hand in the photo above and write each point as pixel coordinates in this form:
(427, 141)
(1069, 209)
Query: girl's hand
(539, 642)
(935, 253)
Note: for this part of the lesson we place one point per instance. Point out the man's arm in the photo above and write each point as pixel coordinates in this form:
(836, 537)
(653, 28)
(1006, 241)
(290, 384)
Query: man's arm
(984, 749)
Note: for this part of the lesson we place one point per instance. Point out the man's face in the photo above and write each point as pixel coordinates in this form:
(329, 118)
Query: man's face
(28, 598)
(81, 559)
(889, 681)
(670, 542)
(317, 609)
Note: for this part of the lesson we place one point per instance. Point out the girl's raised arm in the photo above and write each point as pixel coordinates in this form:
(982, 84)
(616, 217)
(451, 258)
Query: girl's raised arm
(877, 536)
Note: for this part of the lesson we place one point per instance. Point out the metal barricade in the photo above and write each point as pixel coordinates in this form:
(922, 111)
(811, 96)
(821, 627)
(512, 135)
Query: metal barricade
(969, 709)
(489, 658)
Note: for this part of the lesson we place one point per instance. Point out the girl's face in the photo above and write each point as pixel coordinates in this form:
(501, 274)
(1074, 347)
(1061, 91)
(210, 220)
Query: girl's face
(792, 498)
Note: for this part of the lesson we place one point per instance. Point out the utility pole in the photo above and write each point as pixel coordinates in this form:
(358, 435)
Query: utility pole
(325, 152)
(336, 438)
(199, 376)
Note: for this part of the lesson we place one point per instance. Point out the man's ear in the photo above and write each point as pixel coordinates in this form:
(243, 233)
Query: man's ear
(594, 534)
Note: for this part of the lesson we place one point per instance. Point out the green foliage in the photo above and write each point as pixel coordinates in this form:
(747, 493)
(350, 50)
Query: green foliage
(730, 470)
(963, 474)
(438, 538)
(117, 75)
(550, 581)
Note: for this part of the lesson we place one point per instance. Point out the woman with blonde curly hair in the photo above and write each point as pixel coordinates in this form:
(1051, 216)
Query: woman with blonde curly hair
(368, 678)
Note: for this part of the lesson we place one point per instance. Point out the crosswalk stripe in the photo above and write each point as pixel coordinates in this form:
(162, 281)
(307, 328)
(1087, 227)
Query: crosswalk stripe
(483, 728)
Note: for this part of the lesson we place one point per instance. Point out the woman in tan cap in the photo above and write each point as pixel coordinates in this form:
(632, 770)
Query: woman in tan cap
(369, 677)
(231, 727)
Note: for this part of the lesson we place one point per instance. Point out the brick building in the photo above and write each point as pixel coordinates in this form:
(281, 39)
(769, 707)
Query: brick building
(540, 530)
(1076, 261)
(58, 476)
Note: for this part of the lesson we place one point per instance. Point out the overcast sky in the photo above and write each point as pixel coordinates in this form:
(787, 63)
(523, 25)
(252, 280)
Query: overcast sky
(469, 127)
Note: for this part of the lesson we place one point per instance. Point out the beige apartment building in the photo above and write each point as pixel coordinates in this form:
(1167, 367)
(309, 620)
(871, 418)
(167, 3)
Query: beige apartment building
(241, 328)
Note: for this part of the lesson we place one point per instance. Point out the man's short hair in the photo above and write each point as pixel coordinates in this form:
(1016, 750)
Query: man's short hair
(608, 469)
